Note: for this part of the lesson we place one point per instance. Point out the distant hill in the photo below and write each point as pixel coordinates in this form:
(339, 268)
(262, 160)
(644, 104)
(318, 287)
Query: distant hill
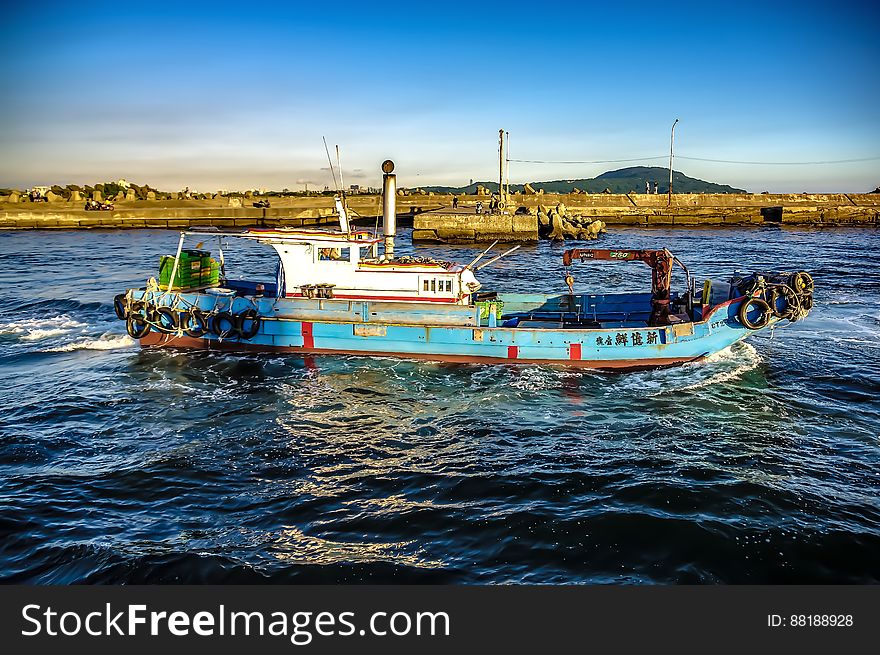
(624, 180)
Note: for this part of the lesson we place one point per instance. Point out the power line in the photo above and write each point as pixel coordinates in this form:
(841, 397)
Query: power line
(779, 163)
(598, 161)
(716, 161)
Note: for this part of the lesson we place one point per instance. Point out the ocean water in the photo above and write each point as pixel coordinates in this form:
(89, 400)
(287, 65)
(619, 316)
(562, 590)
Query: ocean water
(119, 465)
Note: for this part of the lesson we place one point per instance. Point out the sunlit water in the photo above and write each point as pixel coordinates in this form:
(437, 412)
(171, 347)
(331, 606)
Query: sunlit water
(121, 465)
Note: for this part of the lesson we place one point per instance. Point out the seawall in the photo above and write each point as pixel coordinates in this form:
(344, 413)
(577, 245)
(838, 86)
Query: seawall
(433, 213)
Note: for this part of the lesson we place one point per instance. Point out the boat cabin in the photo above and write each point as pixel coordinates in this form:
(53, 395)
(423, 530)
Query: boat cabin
(347, 265)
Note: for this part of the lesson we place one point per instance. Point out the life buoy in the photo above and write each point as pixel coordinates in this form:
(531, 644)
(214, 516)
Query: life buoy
(194, 323)
(119, 306)
(137, 326)
(223, 325)
(763, 318)
(501, 205)
(241, 319)
(166, 319)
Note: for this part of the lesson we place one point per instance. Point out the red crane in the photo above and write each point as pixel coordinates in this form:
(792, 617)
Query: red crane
(660, 262)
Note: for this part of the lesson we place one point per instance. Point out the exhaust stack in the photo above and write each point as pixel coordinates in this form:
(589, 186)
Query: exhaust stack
(389, 207)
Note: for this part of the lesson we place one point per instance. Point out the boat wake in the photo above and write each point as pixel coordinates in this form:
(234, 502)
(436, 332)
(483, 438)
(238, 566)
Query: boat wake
(720, 368)
(42, 328)
(107, 341)
(735, 361)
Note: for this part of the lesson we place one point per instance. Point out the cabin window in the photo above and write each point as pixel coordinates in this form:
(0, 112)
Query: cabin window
(426, 285)
(433, 285)
(334, 254)
(449, 285)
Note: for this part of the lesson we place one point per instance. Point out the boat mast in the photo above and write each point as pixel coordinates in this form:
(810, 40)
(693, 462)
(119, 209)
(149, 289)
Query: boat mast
(339, 198)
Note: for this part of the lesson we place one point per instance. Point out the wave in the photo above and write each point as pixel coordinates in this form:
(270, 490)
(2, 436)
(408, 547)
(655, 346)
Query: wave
(536, 378)
(42, 328)
(724, 366)
(106, 341)
(743, 360)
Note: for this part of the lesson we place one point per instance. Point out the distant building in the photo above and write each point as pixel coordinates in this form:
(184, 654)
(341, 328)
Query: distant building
(354, 188)
(122, 182)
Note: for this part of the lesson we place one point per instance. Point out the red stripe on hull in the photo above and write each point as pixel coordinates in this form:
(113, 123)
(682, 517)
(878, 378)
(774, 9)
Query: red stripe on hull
(308, 338)
(574, 351)
(342, 296)
(158, 340)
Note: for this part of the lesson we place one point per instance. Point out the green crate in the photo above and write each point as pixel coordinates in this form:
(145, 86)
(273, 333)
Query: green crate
(187, 275)
(210, 274)
(483, 306)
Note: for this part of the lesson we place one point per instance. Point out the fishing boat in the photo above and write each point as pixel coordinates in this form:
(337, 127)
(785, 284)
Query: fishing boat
(335, 293)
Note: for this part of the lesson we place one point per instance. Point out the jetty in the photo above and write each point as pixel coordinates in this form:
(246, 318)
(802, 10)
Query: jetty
(433, 217)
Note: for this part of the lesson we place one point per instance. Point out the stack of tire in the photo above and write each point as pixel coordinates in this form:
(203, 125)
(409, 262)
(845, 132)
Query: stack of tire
(142, 317)
(782, 295)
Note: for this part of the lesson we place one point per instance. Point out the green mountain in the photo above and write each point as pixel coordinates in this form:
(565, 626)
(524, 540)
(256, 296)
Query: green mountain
(624, 180)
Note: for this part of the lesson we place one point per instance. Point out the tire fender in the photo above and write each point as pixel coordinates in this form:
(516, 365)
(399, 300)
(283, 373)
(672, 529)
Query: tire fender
(137, 326)
(223, 325)
(251, 315)
(763, 318)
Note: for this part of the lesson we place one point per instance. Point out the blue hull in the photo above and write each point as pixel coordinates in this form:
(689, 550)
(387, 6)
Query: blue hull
(618, 339)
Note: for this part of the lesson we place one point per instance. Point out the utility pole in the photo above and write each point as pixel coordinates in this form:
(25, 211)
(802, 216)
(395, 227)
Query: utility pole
(501, 165)
(507, 170)
(671, 141)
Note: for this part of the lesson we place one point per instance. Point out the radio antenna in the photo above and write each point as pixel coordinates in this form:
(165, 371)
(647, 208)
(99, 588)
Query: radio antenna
(330, 161)
(339, 166)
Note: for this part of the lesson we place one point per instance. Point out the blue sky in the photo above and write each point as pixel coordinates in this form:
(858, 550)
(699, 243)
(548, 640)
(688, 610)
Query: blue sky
(214, 95)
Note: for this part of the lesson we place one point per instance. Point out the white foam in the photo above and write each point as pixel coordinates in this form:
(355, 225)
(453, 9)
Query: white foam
(41, 328)
(104, 342)
(743, 360)
(538, 378)
(724, 366)
(35, 335)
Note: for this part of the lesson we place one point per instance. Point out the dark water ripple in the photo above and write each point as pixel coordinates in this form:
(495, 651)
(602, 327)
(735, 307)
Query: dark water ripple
(760, 466)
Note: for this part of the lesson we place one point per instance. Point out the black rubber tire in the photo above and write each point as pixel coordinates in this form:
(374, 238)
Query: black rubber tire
(137, 326)
(248, 315)
(762, 321)
(166, 319)
(217, 321)
(802, 283)
(792, 303)
(194, 323)
(119, 306)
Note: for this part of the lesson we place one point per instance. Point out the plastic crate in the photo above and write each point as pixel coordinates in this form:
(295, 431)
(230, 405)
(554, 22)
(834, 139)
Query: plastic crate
(483, 306)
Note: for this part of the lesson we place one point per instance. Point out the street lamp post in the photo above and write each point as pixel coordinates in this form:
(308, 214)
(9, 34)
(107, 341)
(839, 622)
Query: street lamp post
(671, 141)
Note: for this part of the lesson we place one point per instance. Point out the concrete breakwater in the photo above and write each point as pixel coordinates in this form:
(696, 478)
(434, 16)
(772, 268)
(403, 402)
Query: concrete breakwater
(434, 219)
(645, 210)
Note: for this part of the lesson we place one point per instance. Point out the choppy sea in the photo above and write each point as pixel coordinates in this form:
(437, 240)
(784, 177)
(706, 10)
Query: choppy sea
(117, 465)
